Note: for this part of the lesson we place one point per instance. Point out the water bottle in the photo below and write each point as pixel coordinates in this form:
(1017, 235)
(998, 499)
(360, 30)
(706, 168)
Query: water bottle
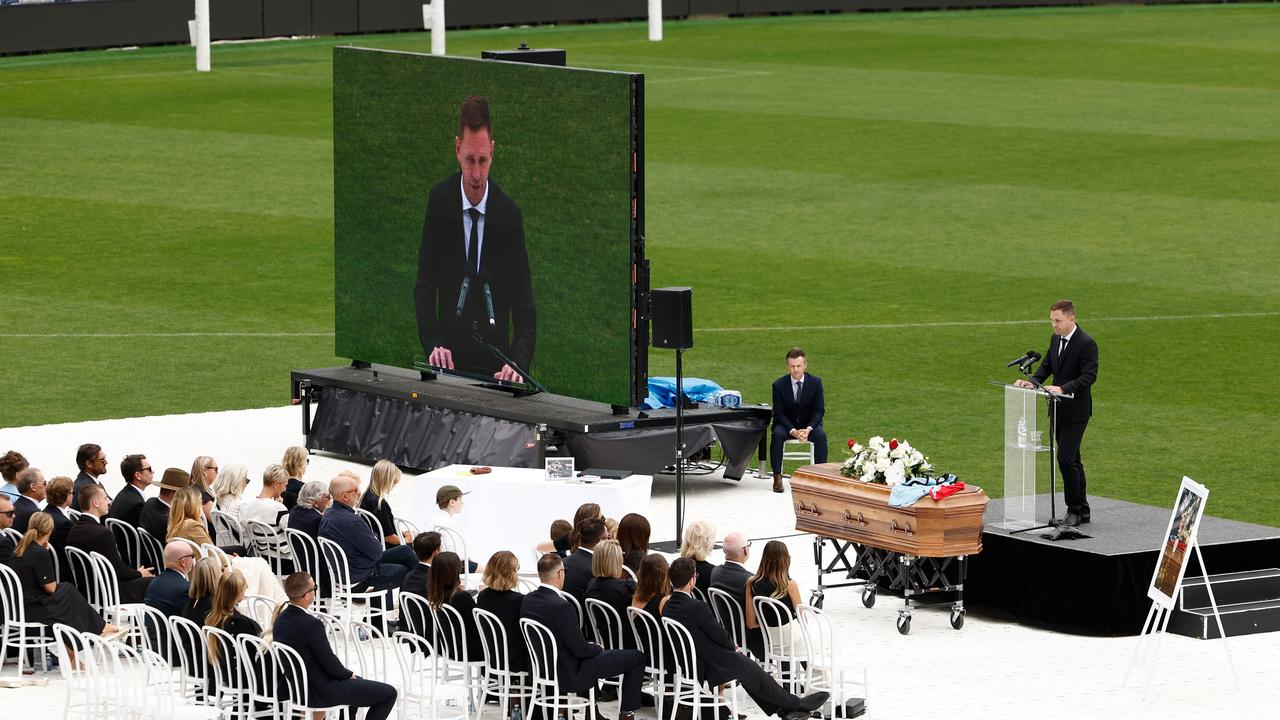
(517, 713)
(1022, 432)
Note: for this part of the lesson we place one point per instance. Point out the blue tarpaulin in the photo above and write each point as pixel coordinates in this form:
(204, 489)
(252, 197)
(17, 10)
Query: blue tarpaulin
(662, 391)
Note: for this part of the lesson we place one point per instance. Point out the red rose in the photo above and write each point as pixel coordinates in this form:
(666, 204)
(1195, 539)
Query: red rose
(852, 442)
(893, 444)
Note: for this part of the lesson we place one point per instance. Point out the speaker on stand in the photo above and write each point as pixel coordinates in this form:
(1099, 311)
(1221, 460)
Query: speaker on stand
(671, 324)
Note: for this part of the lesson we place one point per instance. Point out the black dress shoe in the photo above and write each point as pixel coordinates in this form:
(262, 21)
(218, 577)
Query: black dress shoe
(1071, 520)
(795, 715)
(1084, 519)
(813, 701)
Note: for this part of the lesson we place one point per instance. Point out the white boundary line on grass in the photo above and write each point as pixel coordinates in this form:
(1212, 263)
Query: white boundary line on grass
(791, 328)
(984, 323)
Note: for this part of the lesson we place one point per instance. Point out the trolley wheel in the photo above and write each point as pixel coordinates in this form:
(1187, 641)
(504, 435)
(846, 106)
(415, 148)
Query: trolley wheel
(957, 619)
(869, 596)
(816, 599)
(904, 624)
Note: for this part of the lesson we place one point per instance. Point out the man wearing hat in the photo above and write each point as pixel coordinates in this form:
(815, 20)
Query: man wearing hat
(154, 517)
(137, 473)
(449, 502)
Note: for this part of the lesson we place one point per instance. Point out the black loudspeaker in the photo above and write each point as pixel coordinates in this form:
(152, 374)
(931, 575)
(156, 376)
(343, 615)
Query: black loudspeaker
(671, 317)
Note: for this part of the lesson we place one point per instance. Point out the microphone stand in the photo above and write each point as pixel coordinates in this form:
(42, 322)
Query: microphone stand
(534, 386)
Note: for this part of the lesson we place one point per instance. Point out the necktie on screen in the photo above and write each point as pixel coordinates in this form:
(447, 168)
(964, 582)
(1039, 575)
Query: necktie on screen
(473, 243)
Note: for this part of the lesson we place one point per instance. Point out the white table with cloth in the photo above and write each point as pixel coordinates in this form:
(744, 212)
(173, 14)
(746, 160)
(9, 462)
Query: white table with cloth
(513, 508)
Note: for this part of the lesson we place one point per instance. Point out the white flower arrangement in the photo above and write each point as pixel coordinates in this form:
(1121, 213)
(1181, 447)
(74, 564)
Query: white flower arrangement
(886, 462)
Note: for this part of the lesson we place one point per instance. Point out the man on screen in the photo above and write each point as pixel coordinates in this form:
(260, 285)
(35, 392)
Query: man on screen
(1072, 360)
(473, 268)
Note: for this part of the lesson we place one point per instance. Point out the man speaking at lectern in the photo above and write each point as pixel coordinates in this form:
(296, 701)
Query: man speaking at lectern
(1072, 360)
(473, 268)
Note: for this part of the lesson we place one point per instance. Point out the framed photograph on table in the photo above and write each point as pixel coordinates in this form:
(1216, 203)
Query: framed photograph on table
(559, 469)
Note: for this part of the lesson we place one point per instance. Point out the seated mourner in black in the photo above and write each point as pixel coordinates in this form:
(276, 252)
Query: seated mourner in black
(43, 598)
(444, 587)
(225, 617)
(611, 585)
(329, 682)
(501, 598)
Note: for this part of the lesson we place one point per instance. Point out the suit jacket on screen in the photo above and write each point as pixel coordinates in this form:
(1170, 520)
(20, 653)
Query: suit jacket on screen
(1074, 372)
(442, 262)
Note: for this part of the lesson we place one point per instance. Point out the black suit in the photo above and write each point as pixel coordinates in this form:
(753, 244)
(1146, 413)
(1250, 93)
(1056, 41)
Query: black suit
(61, 526)
(128, 505)
(582, 664)
(1074, 371)
(577, 573)
(504, 260)
(90, 535)
(6, 549)
(306, 520)
(415, 581)
(23, 508)
(718, 660)
(790, 413)
(732, 578)
(329, 682)
(154, 518)
(82, 481)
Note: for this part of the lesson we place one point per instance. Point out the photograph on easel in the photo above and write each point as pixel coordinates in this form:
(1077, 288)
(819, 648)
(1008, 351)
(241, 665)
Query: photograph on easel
(1178, 539)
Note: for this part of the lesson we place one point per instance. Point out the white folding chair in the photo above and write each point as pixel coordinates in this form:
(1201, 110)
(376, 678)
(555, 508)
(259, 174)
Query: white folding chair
(416, 616)
(690, 690)
(577, 606)
(543, 656)
(344, 599)
(823, 672)
(86, 691)
(306, 558)
(189, 646)
(144, 684)
(404, 526)
(451, 642)
(731, 616)
(153, 629)
(151, 549)
(452, 540)
(227, 529)
(260, 608)
(17, 633)
(651, 641)
(230, 690)
(108, 591)
(211, 550)
(606, 627)
(419, 682)
(72, 513)
(630, 573)
(268, 543)
(264, 681)
(499, 679)
(297, 689)
(784, 652)
(374, 524)
(81, 567)
(127, 541)
(797, 450)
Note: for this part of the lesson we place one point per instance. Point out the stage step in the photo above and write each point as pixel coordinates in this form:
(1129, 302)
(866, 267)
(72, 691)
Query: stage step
(1249, 602)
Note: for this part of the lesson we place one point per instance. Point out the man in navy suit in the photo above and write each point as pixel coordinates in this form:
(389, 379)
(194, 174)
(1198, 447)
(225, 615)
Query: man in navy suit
(581, 664)
(474, 230)
(168, 592)
(1072, 360)
(798, 407)
(329, 682)
(718, 658)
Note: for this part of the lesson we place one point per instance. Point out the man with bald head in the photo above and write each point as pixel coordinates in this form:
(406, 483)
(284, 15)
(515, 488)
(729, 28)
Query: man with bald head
(168, 592)
(371, 568)
(732, 578)
(6, 522)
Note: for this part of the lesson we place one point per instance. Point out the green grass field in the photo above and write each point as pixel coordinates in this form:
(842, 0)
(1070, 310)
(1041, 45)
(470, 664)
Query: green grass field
(901, 194)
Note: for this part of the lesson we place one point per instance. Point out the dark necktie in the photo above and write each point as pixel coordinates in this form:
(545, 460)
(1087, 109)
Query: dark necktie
(1062, 347)
(799, 387)
(473, 243)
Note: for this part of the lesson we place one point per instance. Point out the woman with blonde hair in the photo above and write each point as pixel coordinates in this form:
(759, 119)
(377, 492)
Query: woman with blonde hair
(204, 471)
(224, 616)
(186, 522)
(228, 489)
(384, 478)
(611, 585)
(203, 582)
(500, 597)
(45, 599)
(295, 462)
(699, 541)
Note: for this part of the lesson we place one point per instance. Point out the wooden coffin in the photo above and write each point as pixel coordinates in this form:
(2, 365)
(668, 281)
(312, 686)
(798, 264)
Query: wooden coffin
(828, 504)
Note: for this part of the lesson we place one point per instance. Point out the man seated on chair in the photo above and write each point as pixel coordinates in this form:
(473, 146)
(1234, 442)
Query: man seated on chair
(581, 664)
(798, 408)
(329, 682)
(168, 592)
(732, 578)
(154, 518)
(137, 473)
(371, 567)
(31, 489)
(719, 661)
(91, 534)
(6, 522)
(577, 567)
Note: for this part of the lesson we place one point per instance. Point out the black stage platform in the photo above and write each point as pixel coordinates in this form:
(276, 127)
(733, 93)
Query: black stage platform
(1098, 585)
(387, 412)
